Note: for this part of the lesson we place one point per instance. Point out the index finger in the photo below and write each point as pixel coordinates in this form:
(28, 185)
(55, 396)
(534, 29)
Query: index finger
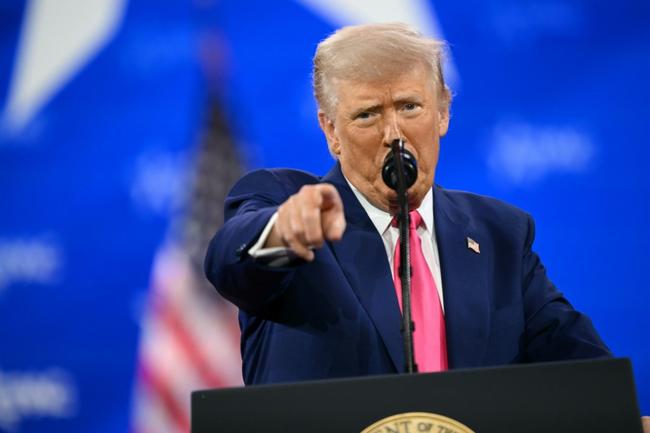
(332, 215)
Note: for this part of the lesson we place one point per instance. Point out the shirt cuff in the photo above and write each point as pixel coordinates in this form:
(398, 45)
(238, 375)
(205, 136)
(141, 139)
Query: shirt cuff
(273, 256)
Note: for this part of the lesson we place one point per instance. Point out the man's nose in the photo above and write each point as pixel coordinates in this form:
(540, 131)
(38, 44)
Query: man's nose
(392, 130)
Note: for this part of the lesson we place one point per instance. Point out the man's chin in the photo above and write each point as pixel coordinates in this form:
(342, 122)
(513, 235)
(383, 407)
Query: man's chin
(393, 203)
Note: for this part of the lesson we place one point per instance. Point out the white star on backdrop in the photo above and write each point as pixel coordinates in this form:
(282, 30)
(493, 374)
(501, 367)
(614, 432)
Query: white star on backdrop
(58, 38)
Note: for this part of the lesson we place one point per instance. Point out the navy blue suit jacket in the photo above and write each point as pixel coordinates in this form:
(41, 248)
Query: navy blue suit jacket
(338, 315)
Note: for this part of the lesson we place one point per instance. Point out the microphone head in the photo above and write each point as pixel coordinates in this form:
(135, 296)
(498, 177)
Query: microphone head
(389, 170)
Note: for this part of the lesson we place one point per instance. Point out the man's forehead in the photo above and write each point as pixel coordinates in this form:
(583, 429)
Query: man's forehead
(376, 75)
(406, 85)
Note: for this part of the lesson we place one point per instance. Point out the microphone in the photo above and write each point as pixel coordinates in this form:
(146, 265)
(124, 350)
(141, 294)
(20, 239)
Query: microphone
(399, 172)
(399, 155)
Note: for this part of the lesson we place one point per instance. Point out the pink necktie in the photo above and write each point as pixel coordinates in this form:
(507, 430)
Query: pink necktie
(429, 339)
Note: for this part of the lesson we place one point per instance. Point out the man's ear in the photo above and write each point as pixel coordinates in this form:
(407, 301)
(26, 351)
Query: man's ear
(443, 121)
(329, 129)
(444, 101)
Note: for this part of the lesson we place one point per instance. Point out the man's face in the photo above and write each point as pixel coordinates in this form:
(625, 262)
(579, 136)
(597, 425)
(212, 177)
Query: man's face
(370, 115)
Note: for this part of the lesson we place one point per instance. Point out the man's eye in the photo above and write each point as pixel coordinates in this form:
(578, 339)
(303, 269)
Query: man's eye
(409, 106)
(364, 115)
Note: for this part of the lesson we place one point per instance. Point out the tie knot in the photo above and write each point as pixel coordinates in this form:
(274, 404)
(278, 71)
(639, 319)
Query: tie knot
(415, 220)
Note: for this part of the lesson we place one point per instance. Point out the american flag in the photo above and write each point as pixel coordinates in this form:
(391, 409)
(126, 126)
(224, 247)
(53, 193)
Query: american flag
(190, 337)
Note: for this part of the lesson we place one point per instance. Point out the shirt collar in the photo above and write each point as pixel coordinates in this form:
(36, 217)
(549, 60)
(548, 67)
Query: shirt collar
(381, 219)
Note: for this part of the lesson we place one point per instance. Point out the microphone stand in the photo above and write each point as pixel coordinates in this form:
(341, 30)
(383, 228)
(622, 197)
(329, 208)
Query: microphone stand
(405, 257)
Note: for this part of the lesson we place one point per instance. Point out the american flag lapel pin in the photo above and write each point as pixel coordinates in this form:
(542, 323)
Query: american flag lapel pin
(473, 245)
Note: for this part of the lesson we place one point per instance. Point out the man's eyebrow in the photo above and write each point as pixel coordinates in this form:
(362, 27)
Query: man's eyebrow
(410, 97)
(362, 109)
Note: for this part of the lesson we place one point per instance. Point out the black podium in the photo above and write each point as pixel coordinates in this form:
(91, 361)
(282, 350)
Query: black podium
(566, 397)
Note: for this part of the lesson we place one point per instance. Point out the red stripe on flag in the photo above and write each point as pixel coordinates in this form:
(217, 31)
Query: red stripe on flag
(164, 392)
(174, 321)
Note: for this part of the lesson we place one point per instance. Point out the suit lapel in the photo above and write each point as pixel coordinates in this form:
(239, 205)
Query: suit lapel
(464, 283)
(362, 256)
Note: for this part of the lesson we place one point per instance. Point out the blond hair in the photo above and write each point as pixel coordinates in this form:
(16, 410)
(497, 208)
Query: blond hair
(371, 52)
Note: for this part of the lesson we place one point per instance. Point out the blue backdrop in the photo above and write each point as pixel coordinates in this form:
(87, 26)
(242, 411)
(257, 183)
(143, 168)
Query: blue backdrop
(550, 113)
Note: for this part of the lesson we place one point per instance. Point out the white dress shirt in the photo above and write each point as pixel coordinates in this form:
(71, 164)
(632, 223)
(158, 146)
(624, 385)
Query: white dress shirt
(389, 234)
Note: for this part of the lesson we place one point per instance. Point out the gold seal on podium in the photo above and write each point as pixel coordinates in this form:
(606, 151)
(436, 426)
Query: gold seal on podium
(417, 422)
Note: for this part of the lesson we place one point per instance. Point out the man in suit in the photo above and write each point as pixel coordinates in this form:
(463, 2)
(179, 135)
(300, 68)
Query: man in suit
(310, 261)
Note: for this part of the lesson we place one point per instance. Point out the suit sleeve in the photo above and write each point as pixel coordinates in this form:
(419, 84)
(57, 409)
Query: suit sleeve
(247, 283)
(554, 329)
